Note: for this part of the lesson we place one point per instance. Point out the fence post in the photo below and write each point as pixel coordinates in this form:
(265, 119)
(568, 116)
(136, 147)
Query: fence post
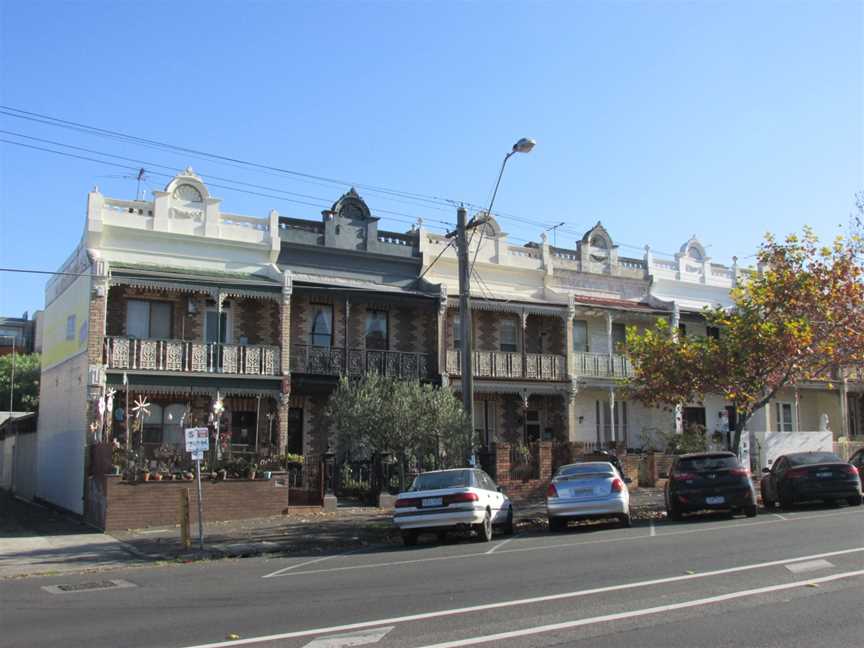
(545, 460)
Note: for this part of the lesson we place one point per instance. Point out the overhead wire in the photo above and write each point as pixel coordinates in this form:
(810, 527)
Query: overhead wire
(429, 201)
(398, 216)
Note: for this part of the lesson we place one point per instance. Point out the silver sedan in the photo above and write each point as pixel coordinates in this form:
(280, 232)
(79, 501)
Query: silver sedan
(593, 489)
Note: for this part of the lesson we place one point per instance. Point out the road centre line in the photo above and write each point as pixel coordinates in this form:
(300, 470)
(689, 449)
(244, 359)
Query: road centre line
(567, 625)
(543, 547)
(524, 601)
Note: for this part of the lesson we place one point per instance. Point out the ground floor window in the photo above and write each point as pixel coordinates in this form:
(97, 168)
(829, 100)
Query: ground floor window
(783, 417)
(609, 422)
(484, 421)
(243, 432)
(164, 424)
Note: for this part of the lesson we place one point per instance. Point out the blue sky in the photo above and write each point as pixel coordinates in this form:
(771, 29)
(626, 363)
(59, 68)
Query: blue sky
(660, 119)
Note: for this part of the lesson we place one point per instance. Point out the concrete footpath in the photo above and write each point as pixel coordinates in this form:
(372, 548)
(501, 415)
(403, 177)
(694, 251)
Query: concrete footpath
(320, 533)
(35, 540)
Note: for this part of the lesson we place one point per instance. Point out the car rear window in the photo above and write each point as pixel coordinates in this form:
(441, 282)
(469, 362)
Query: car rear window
(586, 469)
(709, 462)
(432, 481)
(806, 458)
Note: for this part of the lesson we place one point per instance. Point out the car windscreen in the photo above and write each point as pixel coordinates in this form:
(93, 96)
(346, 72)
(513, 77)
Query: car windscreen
(708, 462)
(806, 458)
(435, 480)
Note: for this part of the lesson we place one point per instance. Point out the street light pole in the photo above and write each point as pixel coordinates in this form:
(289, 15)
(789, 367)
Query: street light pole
(524, 145)
(465, 327)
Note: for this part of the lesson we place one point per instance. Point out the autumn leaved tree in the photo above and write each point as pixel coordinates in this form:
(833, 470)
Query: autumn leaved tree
(798, 319)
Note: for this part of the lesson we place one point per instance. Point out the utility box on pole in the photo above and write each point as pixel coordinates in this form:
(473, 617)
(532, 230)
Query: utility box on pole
(465, 327)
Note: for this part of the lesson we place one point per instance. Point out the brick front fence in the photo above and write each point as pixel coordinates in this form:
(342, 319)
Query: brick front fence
(114, 504)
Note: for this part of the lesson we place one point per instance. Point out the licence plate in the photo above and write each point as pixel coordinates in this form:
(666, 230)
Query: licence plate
(823, 475)
(582, 491)
(432, 501)
(715, 500)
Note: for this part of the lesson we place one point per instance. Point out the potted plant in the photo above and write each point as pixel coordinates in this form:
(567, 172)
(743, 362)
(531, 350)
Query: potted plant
(145, 474)
(251, 470)
(157, 476)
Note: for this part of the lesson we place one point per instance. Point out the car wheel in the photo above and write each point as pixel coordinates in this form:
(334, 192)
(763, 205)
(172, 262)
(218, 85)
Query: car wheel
(409, 538)
(507, 528)
(768, 503)
(786, 502)
(556, 524)
(833, 503)
(673, 513)
(855, 500)
(625, 521)
(442, 536)
(750, 511)
(484, 529)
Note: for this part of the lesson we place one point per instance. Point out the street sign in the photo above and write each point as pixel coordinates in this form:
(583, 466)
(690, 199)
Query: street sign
(197, 455)
(197, 440)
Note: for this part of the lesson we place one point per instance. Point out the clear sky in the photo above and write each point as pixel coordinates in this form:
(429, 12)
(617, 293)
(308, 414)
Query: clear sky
(660, 119)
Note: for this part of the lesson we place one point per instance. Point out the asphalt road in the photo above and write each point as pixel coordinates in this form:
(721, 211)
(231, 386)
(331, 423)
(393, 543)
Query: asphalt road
(794, 579)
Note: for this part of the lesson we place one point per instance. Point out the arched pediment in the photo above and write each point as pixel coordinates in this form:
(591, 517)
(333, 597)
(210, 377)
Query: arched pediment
(351, 206)
(598, 237)
(693, 250)
(187, 188)
(487, 225)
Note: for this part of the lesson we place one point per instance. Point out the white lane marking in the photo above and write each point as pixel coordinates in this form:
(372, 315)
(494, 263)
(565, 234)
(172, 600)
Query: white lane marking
(308, 562)
(808, 566)
(542, 547)
(780, 516)
(567, 625)
(351, 639)
(653, 530)
(421, 616)
(500, 544)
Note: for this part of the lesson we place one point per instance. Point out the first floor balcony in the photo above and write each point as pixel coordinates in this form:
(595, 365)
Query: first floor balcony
(510, 364)
(601, 365)
(331, 361)
(185, 356)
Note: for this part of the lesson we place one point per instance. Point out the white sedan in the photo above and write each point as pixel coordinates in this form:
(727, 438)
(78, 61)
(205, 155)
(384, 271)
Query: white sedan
(460, 499)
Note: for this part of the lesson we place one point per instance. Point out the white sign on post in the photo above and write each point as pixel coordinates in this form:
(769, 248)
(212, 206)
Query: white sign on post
(197, 440)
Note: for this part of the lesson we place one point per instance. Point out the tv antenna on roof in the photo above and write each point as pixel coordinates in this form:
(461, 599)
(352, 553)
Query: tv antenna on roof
(554, 230)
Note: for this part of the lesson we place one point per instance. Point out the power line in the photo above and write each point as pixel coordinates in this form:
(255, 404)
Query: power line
(437, 203)
(394, 215)
(104, 132)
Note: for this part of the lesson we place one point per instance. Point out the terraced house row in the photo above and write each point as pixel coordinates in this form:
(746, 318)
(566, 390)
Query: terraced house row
(174, 303)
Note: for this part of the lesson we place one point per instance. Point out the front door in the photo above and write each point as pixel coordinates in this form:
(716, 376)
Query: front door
(295, 430)
(694, 418)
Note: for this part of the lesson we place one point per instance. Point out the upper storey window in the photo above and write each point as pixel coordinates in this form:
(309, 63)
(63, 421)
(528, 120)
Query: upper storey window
(322, 326)
(376, 330)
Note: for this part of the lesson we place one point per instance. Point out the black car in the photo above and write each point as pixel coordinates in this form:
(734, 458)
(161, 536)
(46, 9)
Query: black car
(709, 481)
(857, 460)
(803, 476)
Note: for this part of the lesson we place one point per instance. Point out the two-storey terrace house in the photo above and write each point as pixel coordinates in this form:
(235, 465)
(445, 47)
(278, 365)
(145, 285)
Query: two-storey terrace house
(548, 325)
(171, 302)
(356, 307)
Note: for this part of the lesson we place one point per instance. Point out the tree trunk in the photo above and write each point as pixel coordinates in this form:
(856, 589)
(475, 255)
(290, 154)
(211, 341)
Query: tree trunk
(739, 427)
